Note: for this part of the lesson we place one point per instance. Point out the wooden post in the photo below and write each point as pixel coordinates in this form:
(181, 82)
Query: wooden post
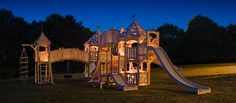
(138, 65)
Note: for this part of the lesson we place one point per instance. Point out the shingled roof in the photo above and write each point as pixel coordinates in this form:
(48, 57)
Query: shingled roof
(134, 30)
(42, 40)
(94, 39)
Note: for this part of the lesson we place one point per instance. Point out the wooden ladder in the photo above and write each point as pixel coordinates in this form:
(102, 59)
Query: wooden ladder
(23, 65)
(43, 72)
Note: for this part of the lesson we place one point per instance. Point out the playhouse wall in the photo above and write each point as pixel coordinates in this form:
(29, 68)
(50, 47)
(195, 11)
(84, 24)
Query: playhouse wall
(121, 64)
(110, 36)
(114, 61)
(142, 52)
(43, 56)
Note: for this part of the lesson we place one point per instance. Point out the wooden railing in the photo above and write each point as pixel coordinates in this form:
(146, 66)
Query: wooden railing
(131, 53)
(68, 54)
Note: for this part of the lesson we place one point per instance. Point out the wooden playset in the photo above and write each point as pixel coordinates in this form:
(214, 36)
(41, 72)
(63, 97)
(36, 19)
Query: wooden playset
(122, 58)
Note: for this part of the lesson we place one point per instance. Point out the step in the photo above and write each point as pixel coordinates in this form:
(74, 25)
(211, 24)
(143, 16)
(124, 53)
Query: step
(204, 91)
(24, 76)
(23, 71)
(130, 88)
(23, 67)
(44, 65)
(24, 57)
(25, 62)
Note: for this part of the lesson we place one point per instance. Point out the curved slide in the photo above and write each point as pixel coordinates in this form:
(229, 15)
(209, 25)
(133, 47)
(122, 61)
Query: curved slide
(176, 75)
(122, 83)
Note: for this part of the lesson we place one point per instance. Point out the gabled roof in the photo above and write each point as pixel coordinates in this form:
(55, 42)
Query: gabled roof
(94, 39)
(134, 30)
(42, 40)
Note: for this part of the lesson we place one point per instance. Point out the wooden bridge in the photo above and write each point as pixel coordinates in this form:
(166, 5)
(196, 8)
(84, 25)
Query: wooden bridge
(62, 54)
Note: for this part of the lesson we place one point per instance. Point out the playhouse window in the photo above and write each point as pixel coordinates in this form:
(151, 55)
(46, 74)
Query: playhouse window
(135, 44)
(135, 65)
(127, 67)
(144, 66)
(42, 48)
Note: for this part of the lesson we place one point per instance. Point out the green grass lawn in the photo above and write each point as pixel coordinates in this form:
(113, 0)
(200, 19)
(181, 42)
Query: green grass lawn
(161, 90)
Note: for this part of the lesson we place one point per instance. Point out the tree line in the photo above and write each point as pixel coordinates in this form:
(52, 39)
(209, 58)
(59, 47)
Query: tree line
(62, 31)
(204, 41)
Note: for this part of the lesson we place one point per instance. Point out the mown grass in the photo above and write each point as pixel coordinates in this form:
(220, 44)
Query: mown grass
(161, 90)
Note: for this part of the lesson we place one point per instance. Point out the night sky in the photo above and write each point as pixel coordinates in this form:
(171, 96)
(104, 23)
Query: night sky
(117, 13)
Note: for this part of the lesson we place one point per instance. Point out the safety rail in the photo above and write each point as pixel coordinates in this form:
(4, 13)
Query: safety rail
(131, 53)
(62, 54)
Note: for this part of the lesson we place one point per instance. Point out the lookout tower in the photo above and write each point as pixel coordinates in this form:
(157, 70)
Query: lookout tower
(43, 69)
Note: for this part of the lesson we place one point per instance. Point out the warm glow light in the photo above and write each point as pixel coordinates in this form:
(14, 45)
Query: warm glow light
(43, 56)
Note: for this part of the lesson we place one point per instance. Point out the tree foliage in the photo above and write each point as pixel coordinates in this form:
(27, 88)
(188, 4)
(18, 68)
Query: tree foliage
(63, 31)
(204, 41)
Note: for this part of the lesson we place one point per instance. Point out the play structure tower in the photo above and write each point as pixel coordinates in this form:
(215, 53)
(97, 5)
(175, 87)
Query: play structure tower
(113, 57)
(44, 57)
(122, 53)
(43, 69)
(132, 53)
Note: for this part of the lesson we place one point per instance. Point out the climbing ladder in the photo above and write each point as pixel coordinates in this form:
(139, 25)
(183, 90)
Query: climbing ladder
(43, 72)
(23, 71)
(43, 75)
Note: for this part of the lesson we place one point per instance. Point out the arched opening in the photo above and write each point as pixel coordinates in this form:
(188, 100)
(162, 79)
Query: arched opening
(145, 66)
(68, 69)
(127, 67)
(131, 43)
(135, 44)
(153, 38)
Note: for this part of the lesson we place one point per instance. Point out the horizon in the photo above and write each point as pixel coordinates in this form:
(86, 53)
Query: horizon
(118, 13)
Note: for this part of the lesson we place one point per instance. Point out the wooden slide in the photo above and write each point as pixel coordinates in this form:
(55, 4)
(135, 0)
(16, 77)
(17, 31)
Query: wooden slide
(175, 75)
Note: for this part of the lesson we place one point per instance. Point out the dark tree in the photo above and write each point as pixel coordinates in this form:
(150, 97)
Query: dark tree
(63, 31)
(170, 40)
(203, 40)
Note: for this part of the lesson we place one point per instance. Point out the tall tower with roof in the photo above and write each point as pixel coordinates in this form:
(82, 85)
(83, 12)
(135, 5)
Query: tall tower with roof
(43, 69)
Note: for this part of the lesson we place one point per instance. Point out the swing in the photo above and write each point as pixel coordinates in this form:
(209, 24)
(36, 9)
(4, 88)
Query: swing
(68, 71)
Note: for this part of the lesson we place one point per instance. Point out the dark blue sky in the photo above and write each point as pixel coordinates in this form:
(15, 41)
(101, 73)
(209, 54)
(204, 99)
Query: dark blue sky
(110, 13)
